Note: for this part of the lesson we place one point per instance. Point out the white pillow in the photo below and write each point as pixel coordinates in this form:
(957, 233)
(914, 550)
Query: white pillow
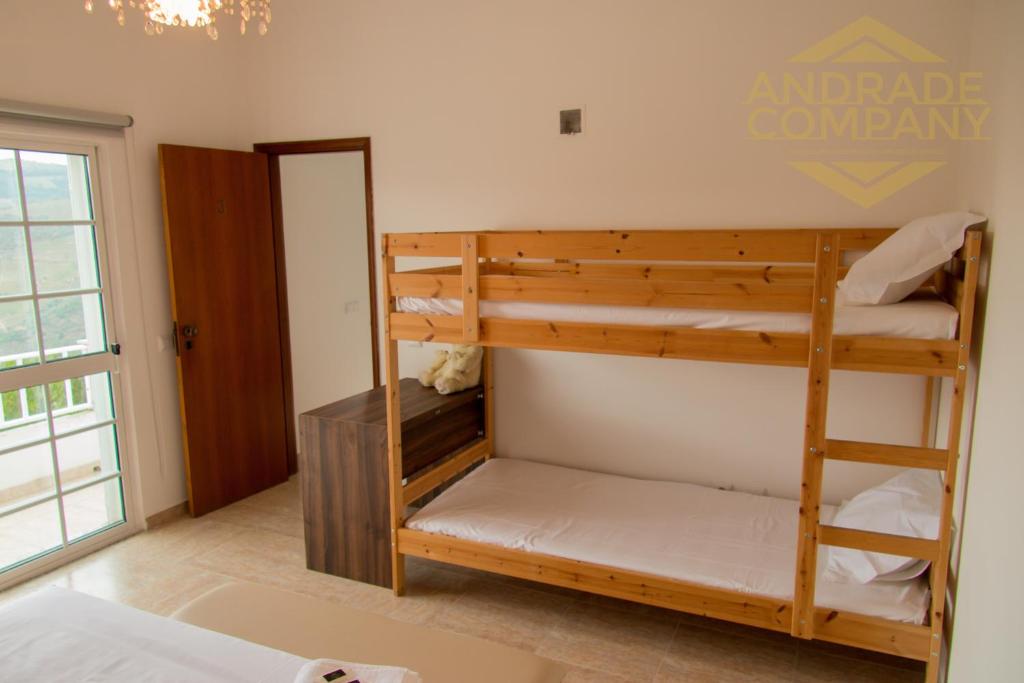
(895, 268)
(907, 505)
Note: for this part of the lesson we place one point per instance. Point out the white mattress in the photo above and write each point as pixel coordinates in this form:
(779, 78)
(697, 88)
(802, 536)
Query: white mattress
(58, 635)
(725, 539)
(912, 319)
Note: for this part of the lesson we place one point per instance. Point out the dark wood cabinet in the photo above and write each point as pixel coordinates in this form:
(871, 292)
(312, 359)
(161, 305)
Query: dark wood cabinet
(343, 463)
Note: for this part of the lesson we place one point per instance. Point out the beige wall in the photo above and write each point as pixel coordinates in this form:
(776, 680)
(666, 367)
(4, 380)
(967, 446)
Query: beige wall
(324, 202)
(461, 99)
(181, 88)
(986, 637)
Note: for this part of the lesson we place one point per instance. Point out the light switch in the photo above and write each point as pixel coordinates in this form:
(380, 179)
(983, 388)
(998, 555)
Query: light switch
(570, 121)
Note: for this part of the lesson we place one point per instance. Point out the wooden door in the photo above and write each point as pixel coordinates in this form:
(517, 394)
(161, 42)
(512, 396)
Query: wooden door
(221, 260)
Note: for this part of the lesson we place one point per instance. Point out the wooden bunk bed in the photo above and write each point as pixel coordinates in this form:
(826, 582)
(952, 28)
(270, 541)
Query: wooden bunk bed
(767, 271)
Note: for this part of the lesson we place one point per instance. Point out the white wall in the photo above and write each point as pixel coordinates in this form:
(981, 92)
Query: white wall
(324, 203)
(986, 637)
(461, 99)
(181, 88)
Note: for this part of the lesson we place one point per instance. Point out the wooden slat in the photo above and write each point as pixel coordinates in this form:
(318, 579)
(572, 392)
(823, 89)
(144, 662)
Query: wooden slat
(451, 466)
(875, 542)
(724, 274)
(818, 373)
(440, 329)
(935, 357)
(688, 343)
(872, 633)
(702, 295)
(394, 420)
(756, 245)
(940, 569)
(905, 640)
(735, 346)
(739, 296)
(427, 285)
(886, 454)
(470, 290)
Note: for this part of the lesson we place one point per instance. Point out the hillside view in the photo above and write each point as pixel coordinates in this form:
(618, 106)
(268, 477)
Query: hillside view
(55, 257)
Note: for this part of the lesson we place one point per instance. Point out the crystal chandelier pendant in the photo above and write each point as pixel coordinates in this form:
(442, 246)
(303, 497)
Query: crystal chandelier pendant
(191, 14)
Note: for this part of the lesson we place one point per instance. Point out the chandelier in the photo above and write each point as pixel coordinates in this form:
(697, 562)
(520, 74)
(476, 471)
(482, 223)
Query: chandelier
(192, 13)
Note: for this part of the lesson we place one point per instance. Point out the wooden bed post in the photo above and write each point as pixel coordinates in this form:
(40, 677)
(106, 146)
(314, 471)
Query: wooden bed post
(488, 375)
(940, 568)
(470, 289)
(394, 405)
(928, 418)
(826, 269)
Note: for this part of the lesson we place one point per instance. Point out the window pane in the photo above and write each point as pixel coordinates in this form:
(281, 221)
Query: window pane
(10, 199)
(64, 257)
(93, 509)
(56, 186)
(72, 326)
(85, 456)
(28, 533)
(81, 402)
(14, 277)
(18, 342)
(22, 418)
(24, 475)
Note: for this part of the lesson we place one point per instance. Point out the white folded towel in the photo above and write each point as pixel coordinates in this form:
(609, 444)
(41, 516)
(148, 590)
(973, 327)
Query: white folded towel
(335, 671)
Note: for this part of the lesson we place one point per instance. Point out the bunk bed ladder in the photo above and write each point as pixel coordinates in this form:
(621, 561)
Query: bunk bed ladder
(826, 272)
(818, 448)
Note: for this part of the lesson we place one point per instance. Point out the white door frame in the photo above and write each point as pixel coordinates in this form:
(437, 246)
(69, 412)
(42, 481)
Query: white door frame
(111, 156)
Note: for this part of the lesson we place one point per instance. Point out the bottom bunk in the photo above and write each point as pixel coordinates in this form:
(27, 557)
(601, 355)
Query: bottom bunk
(696, 549)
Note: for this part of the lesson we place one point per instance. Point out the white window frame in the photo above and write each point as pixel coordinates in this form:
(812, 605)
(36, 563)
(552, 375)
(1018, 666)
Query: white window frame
(111, 176)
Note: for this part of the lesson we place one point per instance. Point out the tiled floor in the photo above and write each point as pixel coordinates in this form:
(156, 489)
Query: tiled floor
(260, 540)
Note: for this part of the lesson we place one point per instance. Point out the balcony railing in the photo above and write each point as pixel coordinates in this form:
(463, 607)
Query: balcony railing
(28, 404)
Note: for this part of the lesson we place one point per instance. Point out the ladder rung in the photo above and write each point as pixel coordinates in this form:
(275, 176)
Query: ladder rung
(875, 542)
(886, 454)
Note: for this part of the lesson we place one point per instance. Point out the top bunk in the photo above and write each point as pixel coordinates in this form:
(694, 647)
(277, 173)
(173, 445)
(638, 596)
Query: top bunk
(751, 296)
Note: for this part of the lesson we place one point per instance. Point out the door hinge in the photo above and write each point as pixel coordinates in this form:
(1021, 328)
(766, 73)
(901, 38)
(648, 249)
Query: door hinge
(115, 349)
(174, 337)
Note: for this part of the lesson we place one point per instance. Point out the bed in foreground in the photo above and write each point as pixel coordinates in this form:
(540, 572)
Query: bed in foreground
(241, 632)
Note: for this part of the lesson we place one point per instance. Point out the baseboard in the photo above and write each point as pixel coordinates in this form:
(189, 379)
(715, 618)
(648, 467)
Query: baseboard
(169, 515)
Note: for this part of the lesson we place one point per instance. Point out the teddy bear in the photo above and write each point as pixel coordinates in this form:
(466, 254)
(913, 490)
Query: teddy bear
(454, 370)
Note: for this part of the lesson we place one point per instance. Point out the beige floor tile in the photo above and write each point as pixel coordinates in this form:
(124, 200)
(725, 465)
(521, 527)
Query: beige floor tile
(427, 591)
(610, 640)
(699, 654)
(580, 675)
(503, 613)
(257, 516)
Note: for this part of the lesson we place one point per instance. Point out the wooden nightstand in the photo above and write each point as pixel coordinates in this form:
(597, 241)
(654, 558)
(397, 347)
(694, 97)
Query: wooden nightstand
(343, 470)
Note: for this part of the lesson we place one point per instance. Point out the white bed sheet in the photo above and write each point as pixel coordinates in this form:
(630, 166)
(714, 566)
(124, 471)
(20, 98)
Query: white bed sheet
(912, 319)
(58, 635)
(725, 539)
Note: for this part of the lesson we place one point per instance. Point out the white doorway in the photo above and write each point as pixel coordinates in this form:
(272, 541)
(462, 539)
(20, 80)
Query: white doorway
(326, 227)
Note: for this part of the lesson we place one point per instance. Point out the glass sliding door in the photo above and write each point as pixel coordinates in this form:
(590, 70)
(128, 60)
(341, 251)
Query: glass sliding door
(60, 451)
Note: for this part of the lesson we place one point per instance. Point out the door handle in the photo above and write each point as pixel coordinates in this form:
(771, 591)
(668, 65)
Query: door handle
(189, 332)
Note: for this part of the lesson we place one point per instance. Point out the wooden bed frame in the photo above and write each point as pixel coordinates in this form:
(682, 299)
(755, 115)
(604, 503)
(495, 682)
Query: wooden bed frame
(784, 270)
